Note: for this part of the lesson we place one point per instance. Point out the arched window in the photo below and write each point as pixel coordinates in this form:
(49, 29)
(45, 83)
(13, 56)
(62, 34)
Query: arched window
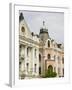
(49, 56)
(23, 29)
(48, 43)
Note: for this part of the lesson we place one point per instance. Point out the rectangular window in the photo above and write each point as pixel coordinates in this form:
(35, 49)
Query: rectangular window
(27, 66)
(27, 51)
(48, 43)
(49, 56)
(63, 72)
(35, 68)
(35, 52)
(39, 70)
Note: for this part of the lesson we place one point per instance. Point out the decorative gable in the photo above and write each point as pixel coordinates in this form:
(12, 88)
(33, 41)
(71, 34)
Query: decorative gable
(24, 29)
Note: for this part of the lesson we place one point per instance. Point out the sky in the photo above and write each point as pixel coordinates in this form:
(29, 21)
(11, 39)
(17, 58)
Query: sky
(54, 22)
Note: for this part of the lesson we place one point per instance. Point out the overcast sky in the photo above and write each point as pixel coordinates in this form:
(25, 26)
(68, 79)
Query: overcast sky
(53, 21)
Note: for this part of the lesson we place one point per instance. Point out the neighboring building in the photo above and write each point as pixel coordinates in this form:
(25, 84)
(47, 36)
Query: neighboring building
(38, 52)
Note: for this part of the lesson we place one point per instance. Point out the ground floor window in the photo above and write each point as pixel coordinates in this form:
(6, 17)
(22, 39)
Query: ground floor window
(39, 70)
(35, 67)
(63, 71)
(27, 66)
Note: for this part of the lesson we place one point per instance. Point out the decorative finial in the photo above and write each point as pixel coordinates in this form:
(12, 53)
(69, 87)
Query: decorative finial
(21, 17)
(43, 23)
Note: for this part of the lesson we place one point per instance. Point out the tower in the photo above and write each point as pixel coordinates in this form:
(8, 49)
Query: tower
(44, 35)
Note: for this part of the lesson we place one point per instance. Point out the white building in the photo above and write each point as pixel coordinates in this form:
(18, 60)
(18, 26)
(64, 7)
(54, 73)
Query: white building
(28, 50)
(38, 52)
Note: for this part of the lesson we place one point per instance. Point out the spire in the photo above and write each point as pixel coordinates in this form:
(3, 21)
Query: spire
(43, 29)
(44, 35)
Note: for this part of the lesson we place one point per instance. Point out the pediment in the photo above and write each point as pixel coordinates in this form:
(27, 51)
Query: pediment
(24, 29)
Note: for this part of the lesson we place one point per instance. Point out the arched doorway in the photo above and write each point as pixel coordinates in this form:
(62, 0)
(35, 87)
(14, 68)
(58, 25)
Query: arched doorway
(50, 69)
(50, 72)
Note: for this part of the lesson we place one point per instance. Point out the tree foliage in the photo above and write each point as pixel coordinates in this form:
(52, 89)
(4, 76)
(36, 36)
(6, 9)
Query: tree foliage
(50, 73)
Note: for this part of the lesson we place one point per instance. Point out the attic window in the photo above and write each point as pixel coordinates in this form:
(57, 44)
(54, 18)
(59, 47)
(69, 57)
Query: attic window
(23, 29)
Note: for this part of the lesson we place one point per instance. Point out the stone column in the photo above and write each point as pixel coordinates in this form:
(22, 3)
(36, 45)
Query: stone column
(22, 62)
(30, 61)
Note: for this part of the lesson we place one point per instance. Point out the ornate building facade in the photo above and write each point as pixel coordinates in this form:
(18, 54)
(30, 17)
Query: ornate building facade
(37, 53)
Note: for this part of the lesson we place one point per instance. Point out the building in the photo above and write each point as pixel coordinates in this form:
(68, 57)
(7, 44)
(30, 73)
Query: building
(38, 53)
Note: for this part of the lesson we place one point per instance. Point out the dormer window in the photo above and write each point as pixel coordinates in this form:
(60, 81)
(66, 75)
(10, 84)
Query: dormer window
(23, 29)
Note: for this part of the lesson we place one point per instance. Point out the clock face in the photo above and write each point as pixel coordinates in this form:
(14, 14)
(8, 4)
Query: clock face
(23, 29)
